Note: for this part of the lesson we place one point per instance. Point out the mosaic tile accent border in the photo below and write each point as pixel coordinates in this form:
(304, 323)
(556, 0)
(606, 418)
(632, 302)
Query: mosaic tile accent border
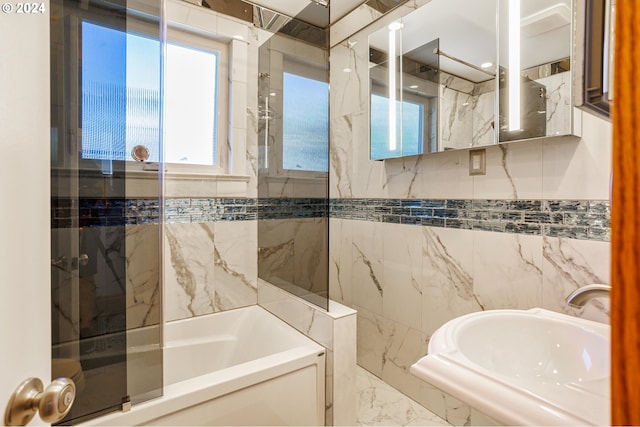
(103, 212)
(198, 210)
(117, 212)
(574, 219)
(292, 208)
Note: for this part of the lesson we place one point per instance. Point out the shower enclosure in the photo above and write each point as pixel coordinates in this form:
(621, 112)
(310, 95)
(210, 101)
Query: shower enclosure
(105, 206)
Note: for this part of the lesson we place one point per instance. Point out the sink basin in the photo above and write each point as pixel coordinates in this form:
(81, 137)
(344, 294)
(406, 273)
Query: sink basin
(523, 367)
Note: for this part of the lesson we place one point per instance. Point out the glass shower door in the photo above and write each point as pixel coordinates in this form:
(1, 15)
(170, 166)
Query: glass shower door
(105, 202)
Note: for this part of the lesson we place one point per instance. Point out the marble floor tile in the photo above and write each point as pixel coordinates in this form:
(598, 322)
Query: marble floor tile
(379, 404)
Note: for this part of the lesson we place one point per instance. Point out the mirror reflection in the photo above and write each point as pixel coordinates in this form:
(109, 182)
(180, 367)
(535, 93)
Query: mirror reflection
(465, 95)
(535, 39)
(404, 95)
(455, 42)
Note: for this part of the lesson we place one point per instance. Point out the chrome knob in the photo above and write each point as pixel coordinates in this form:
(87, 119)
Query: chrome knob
(140, 153)
(53, 403)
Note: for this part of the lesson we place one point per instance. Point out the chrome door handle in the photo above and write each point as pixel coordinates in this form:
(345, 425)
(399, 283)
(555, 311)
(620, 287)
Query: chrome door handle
(53, 402)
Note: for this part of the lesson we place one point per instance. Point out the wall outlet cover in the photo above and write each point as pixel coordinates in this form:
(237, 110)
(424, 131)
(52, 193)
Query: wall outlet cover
(478, 162)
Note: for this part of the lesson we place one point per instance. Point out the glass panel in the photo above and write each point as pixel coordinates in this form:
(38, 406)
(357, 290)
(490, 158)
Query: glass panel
(105, 237)
(305, 140)
(293, 135)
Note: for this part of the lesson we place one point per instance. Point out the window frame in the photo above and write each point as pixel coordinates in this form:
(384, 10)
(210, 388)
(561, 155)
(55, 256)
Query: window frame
(427, 103)
(309, 70)
(185, 38)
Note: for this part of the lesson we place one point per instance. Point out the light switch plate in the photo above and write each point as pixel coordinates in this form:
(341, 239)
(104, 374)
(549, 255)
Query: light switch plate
(478, 162)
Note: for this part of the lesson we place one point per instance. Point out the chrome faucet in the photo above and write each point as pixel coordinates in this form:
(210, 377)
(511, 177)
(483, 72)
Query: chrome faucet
(579, 297)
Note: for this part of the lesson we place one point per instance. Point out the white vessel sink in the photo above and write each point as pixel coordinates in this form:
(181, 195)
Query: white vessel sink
(533, 367)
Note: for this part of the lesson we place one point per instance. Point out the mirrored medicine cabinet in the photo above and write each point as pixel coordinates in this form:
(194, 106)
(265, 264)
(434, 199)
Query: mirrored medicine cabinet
(440, 77)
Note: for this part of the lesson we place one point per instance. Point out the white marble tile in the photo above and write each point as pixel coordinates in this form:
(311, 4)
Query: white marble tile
(559, 105)
(231, 187)
(189, 270)
(276, 251)
(445, 406)
(344, 370)
(370, 344)
(514, 171)
(447, 290)
(403, 177)
(577, 169)
(341, 157)
(350, 88)
(239, 103)
(507, 270)
(311, 254)
(352, 22)
(281, 303)
(367, 265)
(143, 275)
(483, 119)
(235, 260)
(480, 419)
(381, 405)
(328, 388)
(570, 264)
(402, 274)
(367, 176)
(455, 116)
(340, 261)
(446, 176)
(318, 326)
(314, 187)
(402, 348)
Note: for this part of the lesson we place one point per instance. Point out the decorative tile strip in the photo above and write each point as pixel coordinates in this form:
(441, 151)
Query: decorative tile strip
(293, 208)
(95, 212)
(198, 210)
(574, 219)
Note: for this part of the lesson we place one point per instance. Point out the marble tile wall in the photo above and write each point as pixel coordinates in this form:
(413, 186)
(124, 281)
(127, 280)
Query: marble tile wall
(406, 281)
(291, 252)
(466, 113)
(336, 331)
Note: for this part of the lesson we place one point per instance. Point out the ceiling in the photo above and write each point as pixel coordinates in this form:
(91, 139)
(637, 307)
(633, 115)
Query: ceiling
(310, 11)
(467, 30)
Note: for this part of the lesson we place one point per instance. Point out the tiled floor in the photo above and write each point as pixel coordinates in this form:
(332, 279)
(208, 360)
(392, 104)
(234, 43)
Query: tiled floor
(379, 404)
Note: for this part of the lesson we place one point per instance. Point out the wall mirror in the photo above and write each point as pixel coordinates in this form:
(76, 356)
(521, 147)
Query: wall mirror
(535, 38)
(462, 96)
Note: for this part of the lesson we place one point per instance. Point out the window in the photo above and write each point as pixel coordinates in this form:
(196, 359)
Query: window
(120, 93)
(121, 96)
(305, 127)
(190, 105)
(412, 128)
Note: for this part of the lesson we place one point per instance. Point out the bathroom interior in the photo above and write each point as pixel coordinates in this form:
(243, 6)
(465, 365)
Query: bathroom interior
(303, 213)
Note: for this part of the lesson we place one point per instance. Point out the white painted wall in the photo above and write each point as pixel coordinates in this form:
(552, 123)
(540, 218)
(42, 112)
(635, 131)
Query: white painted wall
(24, 193)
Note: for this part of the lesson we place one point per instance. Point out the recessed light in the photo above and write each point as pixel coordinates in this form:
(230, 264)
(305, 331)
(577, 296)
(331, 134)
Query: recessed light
(487, 64)
(272, 94)
(346, 70)
(394, 26)
(413, 87)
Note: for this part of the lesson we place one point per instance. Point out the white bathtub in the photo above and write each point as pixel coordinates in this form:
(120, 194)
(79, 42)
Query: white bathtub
(240, 367)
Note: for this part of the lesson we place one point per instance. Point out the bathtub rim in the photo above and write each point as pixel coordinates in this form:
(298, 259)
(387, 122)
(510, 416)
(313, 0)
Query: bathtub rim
(200, 389)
